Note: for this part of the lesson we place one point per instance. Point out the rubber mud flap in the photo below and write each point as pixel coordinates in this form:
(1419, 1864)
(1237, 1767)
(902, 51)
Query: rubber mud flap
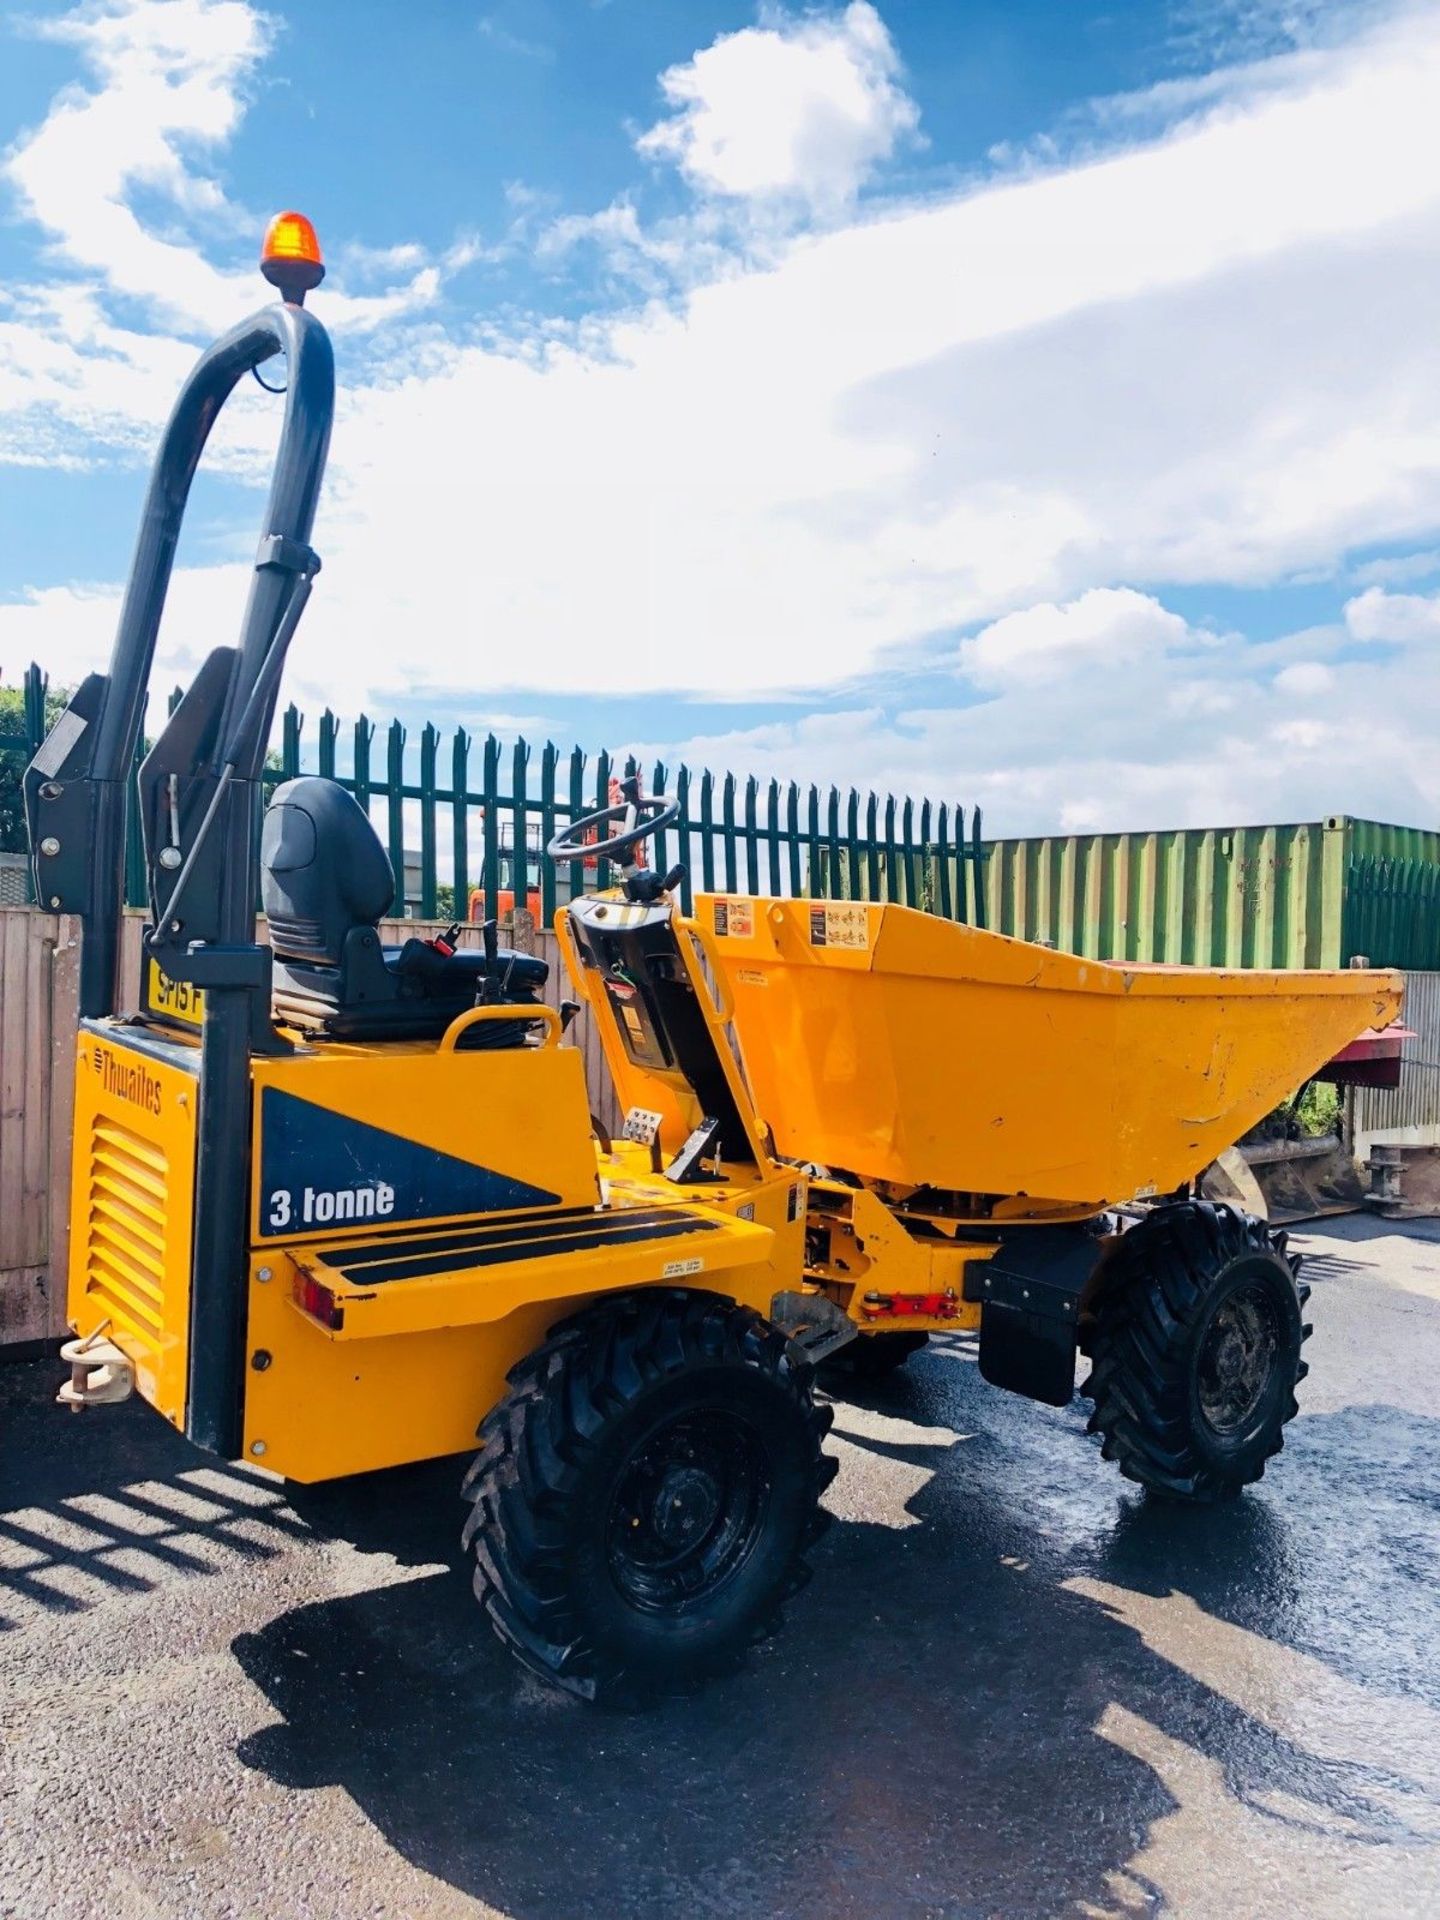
(1028, 1353)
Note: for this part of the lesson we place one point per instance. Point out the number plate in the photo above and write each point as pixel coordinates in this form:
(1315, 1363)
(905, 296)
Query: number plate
(174, 999)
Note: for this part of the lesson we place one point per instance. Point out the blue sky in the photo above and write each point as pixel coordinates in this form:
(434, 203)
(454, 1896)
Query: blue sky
(1025, 403)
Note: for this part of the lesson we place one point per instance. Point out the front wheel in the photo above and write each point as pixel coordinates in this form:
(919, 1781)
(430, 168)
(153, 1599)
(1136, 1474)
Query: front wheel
(1195, 1333)
(645, 1492)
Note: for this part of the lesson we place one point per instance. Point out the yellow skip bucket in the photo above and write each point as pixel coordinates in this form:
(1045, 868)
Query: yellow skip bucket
(901, 1047)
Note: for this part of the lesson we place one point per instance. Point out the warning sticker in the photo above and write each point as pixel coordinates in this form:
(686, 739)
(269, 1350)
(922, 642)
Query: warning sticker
(735, 918)
(751, 977)
(845, 925)
(680, 1269)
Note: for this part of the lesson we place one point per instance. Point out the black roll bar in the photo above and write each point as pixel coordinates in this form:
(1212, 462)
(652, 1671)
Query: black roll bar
(78, 785)
(284, 553)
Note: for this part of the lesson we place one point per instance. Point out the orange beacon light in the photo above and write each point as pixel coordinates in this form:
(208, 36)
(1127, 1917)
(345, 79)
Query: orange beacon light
(290, 257)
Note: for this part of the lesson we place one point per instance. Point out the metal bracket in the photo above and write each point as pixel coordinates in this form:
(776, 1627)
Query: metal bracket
(814, 1322)
(291, 556)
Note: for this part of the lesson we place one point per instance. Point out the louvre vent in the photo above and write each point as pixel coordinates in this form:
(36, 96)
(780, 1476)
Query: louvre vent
(126, 1228)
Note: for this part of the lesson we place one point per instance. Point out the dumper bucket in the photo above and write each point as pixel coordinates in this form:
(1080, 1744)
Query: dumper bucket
(901, 1047)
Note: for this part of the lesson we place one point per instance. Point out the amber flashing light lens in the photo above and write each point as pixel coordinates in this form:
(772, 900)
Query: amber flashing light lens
(290, 237)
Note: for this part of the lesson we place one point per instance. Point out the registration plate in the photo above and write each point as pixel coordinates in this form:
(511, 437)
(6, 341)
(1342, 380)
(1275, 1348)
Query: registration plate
(174, 999)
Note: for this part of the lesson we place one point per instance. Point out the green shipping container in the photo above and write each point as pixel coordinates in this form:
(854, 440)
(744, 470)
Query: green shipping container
(1310, 895)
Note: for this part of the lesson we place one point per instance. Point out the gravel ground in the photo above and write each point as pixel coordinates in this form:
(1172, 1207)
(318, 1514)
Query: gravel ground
(1015, 1686)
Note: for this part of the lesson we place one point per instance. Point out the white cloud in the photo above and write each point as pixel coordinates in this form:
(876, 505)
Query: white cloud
(1304, 680)
(1107, 626)
(1398, 569)
(1182, 732)
(171, 80)
(1378, 615)
(800, 107)
(1200, 358)
(170, 74)
(1167, 364)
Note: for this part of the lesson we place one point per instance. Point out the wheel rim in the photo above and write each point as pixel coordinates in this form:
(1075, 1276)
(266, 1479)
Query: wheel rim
(688, 1508)
(1237, 1359)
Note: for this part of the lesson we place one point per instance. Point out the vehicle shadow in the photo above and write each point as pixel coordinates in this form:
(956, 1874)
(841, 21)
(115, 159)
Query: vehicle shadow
(946, 1727)
(93, 1507)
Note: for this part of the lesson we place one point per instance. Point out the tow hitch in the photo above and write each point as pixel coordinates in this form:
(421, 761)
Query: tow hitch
(100, 1374)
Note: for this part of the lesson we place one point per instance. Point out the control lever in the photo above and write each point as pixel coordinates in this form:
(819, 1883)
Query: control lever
(645, 888)
(490, 940)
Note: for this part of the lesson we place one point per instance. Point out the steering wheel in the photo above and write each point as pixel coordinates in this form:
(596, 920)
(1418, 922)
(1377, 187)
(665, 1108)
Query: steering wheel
(645, 817)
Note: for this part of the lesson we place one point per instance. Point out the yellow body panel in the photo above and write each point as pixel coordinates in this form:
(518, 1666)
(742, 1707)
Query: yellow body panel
(909, 1049)
(436, 1307)
(419, 1361)
(860, 1247)
(520, 1113)
(132, 1185)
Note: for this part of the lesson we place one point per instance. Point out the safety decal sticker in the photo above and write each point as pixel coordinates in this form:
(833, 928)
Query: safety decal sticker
(735, 919)
(679, 1269)
(846, 925)
(319, 1168)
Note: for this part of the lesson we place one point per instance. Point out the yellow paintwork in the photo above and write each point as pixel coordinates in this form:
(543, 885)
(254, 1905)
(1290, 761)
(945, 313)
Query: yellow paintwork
(667, 1093)
(908, 1049)
(1029, 1085)
(132, 1182)
(863, 1247)
(520, 1111)
(418, 1364)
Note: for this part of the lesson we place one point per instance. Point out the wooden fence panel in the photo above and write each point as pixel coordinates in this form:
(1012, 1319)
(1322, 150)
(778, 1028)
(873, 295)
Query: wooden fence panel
(39, 985)
(37, 1022)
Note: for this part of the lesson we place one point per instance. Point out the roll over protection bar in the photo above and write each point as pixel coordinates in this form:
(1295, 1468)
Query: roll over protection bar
(205, 766)
(76, 787)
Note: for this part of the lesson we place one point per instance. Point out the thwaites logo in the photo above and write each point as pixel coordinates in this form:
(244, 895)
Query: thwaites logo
(126, 1079)
(319, 1206)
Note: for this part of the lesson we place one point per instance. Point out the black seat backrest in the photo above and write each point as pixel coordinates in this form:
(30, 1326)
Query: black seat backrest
(323, 871)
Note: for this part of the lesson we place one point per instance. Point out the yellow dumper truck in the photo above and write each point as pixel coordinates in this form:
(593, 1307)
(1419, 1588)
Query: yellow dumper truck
(337, 1204)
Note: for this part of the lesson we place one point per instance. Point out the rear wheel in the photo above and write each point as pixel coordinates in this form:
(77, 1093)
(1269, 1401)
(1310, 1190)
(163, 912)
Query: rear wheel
(1195, 1334)
(645, 1492)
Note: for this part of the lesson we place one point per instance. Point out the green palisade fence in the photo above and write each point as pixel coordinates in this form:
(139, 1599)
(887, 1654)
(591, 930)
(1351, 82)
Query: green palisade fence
(454, 813)
(473, 813)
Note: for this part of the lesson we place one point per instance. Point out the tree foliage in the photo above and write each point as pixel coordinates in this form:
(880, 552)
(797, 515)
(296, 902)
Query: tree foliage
(15, 749)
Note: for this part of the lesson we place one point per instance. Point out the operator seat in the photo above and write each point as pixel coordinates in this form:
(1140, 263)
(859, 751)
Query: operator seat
(325, 884)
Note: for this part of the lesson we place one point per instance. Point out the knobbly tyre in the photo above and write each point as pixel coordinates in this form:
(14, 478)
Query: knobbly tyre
(336, 1203)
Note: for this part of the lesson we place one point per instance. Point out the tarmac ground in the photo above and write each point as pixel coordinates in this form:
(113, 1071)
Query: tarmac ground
(1015, 1686)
